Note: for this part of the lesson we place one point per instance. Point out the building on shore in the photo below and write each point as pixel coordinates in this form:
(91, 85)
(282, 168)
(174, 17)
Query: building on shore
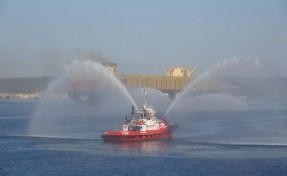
(19, 96)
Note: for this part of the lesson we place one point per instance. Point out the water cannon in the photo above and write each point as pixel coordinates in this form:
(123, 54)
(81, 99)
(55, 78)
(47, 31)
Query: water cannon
(133, 110)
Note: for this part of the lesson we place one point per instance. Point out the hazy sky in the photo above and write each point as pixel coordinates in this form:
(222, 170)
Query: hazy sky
(143, 36)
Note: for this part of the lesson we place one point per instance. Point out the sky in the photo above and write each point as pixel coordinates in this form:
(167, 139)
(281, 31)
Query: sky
(38, 38)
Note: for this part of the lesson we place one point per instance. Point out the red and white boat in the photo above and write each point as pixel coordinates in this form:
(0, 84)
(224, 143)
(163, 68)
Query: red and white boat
(142, 126)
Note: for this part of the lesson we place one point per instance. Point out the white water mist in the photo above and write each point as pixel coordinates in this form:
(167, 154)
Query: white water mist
(59, 116)
(236, 66)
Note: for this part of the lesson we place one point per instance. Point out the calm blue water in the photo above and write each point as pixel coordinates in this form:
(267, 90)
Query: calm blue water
(250, 142)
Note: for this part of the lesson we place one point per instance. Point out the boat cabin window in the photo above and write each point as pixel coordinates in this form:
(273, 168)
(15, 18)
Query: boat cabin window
(142, 116)
(149, 117)
(137, 128)
(134, 128)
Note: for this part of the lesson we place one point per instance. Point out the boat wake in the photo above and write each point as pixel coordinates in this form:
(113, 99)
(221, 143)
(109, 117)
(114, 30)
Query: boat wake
(188, 141)
(47, 137)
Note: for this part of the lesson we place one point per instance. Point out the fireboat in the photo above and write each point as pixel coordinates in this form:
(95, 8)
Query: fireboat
(142, 126)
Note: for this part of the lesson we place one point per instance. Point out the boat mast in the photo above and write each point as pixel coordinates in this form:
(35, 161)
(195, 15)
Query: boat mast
(145, 96)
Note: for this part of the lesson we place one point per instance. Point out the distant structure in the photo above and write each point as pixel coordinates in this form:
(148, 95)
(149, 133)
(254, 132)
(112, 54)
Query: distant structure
(179, 71)
(174, 80)
(112, 67)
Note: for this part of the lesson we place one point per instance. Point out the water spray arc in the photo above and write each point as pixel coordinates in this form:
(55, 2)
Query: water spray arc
(235, 66)
(52, 117)
(104, 79)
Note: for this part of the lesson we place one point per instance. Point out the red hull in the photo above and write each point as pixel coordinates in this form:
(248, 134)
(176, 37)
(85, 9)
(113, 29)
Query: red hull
(140, 136)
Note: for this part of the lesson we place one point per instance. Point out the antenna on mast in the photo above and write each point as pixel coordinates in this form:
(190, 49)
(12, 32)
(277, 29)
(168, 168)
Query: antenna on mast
(145, 95)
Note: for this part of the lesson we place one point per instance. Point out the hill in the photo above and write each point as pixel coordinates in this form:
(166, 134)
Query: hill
(24, 85)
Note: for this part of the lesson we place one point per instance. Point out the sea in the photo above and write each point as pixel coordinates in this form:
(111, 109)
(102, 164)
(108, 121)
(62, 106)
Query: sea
(250, 142)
